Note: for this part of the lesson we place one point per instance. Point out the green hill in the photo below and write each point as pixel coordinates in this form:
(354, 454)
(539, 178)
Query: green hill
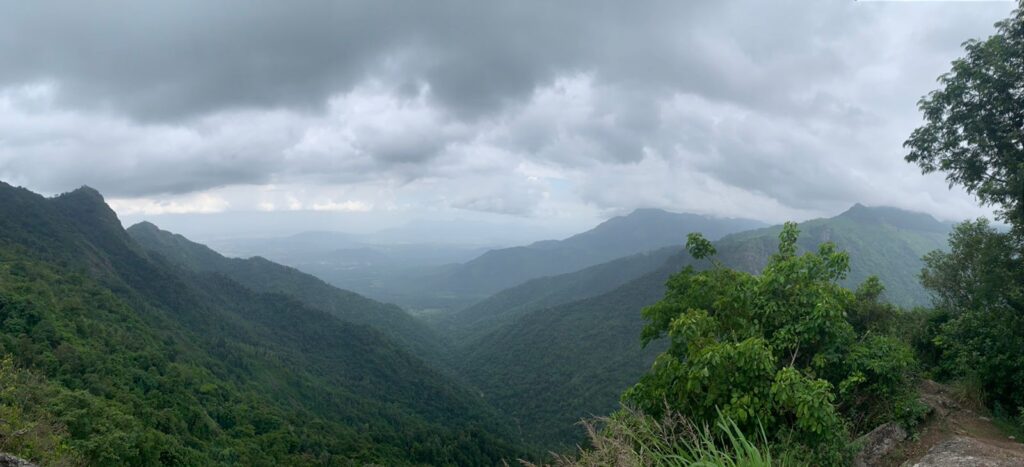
(120, 357)
(553, 366)
(547, 361)
(503, 308)
(262, 275)
(452, 287)
(641, 231)
(882, 241)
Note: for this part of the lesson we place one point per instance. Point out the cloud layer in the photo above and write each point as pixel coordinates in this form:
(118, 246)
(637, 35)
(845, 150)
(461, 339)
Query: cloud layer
(770, 110)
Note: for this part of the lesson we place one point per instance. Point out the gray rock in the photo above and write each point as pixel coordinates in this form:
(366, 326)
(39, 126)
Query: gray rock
(876, 444)
(936, 397)
(962, 451)
(7, 460)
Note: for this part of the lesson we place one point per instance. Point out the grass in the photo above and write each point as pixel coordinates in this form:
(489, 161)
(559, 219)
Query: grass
(630, 438)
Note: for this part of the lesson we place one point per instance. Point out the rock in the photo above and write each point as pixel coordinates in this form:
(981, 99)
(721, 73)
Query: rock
(937, 399)
(7, 460)
(961, 451)
(876, 444)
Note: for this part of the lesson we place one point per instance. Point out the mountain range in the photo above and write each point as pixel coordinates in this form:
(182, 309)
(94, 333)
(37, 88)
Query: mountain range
(425, 286)
(550, 351)
(133, 358)
(141, 344)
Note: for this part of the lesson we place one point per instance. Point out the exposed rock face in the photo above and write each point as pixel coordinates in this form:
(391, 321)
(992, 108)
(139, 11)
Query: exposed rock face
(963, 451)
(878, 443)
(7, 460)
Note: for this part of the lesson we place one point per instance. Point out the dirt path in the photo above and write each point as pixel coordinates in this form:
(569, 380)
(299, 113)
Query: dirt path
(956, 435)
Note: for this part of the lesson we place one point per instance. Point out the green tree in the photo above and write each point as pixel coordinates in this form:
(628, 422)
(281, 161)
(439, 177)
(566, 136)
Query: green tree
(758, 349)
(979, 285)
(974, 133)
(974, 124)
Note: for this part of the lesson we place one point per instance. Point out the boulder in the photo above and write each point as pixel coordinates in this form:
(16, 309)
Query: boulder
(7, 460)
(963, 451)
(876, 444)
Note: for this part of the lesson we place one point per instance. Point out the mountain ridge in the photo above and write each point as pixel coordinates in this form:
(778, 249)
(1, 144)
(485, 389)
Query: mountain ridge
(146, 362)
(584, 352)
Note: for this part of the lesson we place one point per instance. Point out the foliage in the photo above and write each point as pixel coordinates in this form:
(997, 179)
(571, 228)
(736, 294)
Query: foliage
(265, 276)
(556, 365)
(631, 438)
(137, 362)
(556, 360)
(775, 349)
(973, 124)
(26, 427)
(467, 326)
(974, 133)
(883, 242)
(979, 284)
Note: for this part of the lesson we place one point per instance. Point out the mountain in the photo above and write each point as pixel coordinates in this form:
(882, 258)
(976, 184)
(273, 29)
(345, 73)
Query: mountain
(546, 359)
(262, 275)
(641, 231)
(882, 241)
(503, 308)
(114, 355)
(551, 367)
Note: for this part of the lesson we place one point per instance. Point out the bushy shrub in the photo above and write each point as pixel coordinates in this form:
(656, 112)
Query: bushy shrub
(777, 350)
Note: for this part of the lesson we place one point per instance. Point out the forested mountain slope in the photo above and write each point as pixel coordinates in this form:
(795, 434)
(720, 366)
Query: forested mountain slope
(505, 307)
(547, 362)
(124, 358)
(553, 366)
(641, 231)
(882, 241)
(262, 275)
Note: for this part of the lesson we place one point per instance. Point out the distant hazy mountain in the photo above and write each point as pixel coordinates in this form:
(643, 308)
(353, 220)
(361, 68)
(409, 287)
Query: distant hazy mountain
(547, 361)
(503, 308)
(415, 277)
(262, 275)
(641, 231)
(147, 363)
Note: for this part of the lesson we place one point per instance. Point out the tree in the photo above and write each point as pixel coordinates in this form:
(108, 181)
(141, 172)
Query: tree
(974, 124)
(974, 133)
(978, 283)
(771, 351)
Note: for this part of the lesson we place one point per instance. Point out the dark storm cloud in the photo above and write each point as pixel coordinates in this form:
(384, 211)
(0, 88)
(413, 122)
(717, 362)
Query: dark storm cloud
(790, 106)
(167, 60)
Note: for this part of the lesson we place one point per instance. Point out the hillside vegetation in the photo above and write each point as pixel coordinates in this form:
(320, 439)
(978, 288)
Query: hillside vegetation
(547, 359)
(129, 359)
(262, 275)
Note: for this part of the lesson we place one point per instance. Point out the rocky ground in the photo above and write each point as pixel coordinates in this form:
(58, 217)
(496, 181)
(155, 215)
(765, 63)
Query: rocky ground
(956, 433)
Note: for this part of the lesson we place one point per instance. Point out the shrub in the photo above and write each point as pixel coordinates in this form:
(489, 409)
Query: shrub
(776, 350)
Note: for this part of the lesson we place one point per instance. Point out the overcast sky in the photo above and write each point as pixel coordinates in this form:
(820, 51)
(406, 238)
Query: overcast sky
(553, 113)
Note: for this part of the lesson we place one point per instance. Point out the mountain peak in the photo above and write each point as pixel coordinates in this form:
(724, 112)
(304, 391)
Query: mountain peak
(87, 205)
(646, 212)
(85, 191)
(144, 226)
(895, 217)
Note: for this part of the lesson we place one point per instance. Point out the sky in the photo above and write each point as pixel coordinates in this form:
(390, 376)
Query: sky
(241, 118)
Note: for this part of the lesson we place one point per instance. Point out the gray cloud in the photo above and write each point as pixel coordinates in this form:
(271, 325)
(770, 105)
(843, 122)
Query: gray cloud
(522, 108)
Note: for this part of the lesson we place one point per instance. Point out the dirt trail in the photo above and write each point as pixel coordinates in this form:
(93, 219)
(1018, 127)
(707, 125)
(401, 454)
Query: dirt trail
(956, 435)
